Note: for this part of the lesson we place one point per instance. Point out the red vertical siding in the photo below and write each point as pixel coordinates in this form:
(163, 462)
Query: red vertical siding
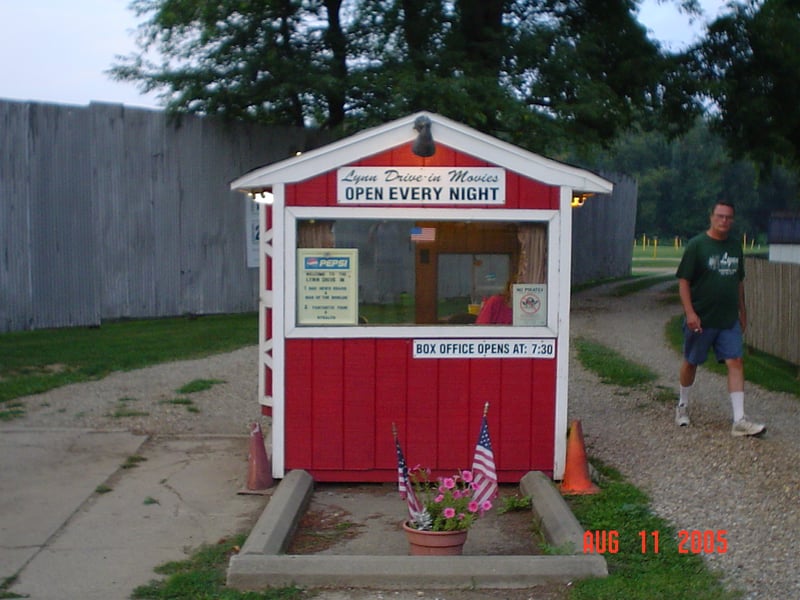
(452, 397)
(342, 397)
(298, 428)
(327, 415)
(422, 412)
(391, 391)
(544, 416)
(359, 404)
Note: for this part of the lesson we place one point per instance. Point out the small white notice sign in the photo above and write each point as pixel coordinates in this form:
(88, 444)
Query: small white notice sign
(489, 348)
(530, 304)
(327, 286)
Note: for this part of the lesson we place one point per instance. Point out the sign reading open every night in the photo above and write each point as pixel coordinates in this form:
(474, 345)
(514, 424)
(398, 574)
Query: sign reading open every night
(327, 290)
(491, 348)
(421, 185)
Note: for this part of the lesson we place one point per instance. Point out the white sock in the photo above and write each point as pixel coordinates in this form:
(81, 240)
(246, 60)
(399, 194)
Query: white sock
(683, 395)
(737, 402)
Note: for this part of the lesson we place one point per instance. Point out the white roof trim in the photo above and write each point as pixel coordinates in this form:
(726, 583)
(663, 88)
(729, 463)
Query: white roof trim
(446, 132)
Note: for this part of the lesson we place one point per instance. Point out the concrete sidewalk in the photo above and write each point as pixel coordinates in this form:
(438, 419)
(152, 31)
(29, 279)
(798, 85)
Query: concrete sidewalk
(62, 538)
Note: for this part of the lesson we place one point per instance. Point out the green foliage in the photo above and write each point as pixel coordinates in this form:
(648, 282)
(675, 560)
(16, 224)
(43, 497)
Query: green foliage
(680, 178)
(514, 503)
(751, 57)
(198, 385)
(612, 367)
(33, 362)
(133, 461)
(540, 74)
(634, 573)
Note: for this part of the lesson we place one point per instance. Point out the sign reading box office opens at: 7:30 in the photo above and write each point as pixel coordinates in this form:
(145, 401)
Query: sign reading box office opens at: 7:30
(327, 286)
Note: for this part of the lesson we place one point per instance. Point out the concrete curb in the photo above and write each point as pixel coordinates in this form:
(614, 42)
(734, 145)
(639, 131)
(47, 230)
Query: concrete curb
(261, 565)
(273, 530)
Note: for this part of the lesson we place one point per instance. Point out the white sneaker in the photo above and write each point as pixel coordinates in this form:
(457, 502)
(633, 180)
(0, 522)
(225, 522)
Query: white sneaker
(682, 416)
(743, 427)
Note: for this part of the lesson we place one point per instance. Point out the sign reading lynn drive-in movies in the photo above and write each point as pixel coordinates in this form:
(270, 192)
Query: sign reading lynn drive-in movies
(427, 185)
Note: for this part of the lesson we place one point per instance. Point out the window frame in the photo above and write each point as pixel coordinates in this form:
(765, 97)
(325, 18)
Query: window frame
(551, 218)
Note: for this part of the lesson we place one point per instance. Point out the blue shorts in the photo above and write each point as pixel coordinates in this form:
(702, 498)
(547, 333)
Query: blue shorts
(727, 343)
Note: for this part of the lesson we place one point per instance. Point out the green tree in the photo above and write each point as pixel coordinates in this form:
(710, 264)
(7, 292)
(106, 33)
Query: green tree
(750, 60)
(541, 73)
(679, 179)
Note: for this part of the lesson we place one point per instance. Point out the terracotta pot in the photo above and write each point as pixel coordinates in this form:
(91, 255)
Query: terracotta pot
(434, 543)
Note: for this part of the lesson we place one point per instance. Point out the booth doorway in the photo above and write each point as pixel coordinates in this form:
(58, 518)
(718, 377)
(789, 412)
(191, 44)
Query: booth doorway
(487, 252)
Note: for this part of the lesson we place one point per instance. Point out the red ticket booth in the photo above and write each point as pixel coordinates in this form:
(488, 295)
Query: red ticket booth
(377, 253)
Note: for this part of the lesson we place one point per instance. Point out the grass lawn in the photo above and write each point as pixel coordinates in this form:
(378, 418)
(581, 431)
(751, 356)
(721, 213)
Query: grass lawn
(33, 362)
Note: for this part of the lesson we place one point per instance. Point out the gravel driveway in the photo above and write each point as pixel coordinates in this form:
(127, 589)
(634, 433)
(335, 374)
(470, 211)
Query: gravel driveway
(699, 478)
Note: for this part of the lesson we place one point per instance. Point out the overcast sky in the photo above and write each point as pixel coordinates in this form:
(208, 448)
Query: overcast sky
(58, 51)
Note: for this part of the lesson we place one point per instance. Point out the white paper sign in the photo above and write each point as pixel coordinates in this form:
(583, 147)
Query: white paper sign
(327, 286)
(488, 348)
(530, 304)
(421, 185)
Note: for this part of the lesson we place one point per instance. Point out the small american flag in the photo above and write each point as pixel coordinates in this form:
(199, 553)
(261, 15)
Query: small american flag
(423, 234)
(484, 474)
(404, 486)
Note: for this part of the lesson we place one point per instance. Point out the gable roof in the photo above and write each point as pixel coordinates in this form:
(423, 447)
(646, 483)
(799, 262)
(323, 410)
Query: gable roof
(445, 131)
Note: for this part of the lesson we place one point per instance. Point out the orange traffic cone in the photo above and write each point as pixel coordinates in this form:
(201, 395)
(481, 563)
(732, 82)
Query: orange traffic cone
(576, 474)
(259, 474)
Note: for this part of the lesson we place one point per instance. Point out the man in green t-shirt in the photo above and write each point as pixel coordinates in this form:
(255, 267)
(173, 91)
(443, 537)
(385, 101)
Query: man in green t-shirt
(710, 282)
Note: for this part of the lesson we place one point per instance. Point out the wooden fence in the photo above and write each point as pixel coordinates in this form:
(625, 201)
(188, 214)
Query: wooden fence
(773, 308)
(110, 212)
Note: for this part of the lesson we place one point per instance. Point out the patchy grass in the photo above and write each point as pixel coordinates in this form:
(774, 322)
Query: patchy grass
(637, 571)
(133, 461)
(124, 413)
(202, 576)
(612, 367)
(33, 362)
(198, 385)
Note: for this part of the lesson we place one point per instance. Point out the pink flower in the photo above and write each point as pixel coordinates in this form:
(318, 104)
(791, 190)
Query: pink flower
(466, 476)
(473, 507)
(448, 483)
(439, 498)
(457, 494)
(449, 512)
(487, 505)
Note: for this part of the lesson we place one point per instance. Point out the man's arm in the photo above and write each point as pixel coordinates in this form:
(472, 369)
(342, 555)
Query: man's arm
(692, 320)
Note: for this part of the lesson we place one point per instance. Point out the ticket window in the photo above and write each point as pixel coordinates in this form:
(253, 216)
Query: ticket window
(432, 272)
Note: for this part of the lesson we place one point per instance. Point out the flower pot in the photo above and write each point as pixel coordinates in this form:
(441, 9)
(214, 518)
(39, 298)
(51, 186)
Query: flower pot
(434, 543)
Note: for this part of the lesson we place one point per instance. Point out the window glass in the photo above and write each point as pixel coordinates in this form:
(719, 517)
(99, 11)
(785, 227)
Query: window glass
(433, 272)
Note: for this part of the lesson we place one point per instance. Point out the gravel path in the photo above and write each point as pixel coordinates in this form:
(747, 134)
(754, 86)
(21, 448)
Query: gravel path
(699, 478)
(144, 400)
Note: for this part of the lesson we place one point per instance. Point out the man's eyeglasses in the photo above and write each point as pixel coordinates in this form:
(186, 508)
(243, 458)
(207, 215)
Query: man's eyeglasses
(724, 217)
